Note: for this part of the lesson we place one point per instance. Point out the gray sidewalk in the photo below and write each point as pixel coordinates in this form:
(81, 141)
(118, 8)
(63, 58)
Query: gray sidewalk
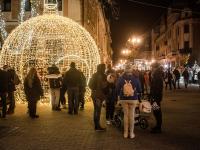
(58, 130)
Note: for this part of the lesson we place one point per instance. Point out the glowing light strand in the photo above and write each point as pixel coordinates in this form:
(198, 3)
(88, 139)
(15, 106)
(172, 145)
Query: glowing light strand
(4, 33)
(34, 8)
(22, 11)
(43, 40)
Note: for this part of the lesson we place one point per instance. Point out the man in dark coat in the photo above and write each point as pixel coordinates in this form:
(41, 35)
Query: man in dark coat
(72, 82)
(111, 95)
(177, 77)
(98, 85)
(198, 75)
(156, 92)
(186, 77)
(3, 91)
(55, 81)
(13, 80)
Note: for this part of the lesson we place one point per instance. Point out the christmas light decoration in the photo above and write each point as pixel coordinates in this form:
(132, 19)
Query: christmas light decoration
(4, 33)
(34, 7)
(47, 39)
(22, 11)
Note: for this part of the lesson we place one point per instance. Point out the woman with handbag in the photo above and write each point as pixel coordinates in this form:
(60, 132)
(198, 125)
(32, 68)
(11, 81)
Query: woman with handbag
(33, 91)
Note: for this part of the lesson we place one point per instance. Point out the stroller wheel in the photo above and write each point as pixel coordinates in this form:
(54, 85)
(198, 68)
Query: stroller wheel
(143, 123)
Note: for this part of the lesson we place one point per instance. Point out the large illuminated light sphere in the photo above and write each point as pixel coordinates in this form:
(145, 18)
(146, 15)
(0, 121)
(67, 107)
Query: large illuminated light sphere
(48, 39)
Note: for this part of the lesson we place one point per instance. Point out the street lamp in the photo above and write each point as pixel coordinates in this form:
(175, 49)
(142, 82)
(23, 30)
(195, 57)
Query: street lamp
(134, 41)
(126, 51)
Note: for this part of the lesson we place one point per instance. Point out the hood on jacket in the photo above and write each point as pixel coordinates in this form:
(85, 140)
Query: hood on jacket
(101, 68)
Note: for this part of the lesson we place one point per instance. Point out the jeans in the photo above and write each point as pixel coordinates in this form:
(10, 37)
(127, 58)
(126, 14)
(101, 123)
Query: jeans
(55, 96)
(82, 98)
(32, 104)
(73, 99)
(158, 116)
(129, 116)
(97, 111)
(186, 81)
(4, 105)
(178, 82)
(12, 101)
(110, 108)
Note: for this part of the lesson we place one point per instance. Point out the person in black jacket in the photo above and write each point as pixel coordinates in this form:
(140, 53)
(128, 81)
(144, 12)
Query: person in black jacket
(198, 75)
(98, 84)
(186, 77)
(3, 91)
(33, 91)
(13, 80)
(156, 92)
(72, 82)
(82, 91)
(55, 81)
(177, 77)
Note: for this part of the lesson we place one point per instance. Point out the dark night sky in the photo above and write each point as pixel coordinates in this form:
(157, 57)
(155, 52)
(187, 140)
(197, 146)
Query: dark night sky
(135, 19)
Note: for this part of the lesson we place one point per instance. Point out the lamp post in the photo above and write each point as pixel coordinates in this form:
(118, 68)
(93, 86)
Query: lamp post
(132, 44)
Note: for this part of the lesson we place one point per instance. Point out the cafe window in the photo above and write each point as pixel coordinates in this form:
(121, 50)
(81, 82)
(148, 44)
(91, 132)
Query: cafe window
(6, 5)
(59, 5)
(27, 5)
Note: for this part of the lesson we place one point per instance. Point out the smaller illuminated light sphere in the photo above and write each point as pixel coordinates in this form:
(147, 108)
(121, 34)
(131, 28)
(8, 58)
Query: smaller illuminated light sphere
(44, 40)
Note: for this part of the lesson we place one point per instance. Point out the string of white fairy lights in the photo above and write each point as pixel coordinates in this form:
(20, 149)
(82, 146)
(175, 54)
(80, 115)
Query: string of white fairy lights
(4, 33)
(22, 11)
(34, 7)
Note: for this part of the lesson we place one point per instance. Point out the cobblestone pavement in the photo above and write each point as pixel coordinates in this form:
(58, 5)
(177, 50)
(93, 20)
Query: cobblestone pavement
(60, 131)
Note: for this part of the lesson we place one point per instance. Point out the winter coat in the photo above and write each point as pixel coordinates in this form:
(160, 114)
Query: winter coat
(198, 75)
(177, 74)
(3, 82)
(11, 80)
(135, 84)
(156, 86)
(72, 78)
(98, 84)
(185, 74)
(33, 93)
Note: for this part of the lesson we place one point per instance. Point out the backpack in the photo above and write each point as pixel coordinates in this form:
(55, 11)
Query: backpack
(128, 89)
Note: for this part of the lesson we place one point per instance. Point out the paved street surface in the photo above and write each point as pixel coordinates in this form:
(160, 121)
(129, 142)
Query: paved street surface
(60, 131)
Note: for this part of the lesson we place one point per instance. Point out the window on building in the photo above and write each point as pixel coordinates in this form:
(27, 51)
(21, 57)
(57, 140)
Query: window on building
(27, 5)
(186, 45)
(6, 5)
(186, 28)
(59, 5)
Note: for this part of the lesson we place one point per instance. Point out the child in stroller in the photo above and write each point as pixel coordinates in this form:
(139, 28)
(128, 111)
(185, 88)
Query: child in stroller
(141, 111)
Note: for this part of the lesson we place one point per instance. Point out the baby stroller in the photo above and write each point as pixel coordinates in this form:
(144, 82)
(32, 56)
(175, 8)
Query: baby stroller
(141, 111)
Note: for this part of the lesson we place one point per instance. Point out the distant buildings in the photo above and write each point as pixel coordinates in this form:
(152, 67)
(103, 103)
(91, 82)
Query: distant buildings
(176, 40)
(88, 13)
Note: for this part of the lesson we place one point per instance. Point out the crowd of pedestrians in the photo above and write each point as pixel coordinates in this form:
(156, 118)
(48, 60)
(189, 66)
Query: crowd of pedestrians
(172, 78)
(126, 87)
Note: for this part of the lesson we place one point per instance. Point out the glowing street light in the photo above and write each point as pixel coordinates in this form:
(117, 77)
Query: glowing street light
(134, 40)
(126, 52)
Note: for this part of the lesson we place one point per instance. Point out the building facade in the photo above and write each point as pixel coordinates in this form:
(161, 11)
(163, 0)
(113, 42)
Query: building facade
(88, 13)
(175, 42)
